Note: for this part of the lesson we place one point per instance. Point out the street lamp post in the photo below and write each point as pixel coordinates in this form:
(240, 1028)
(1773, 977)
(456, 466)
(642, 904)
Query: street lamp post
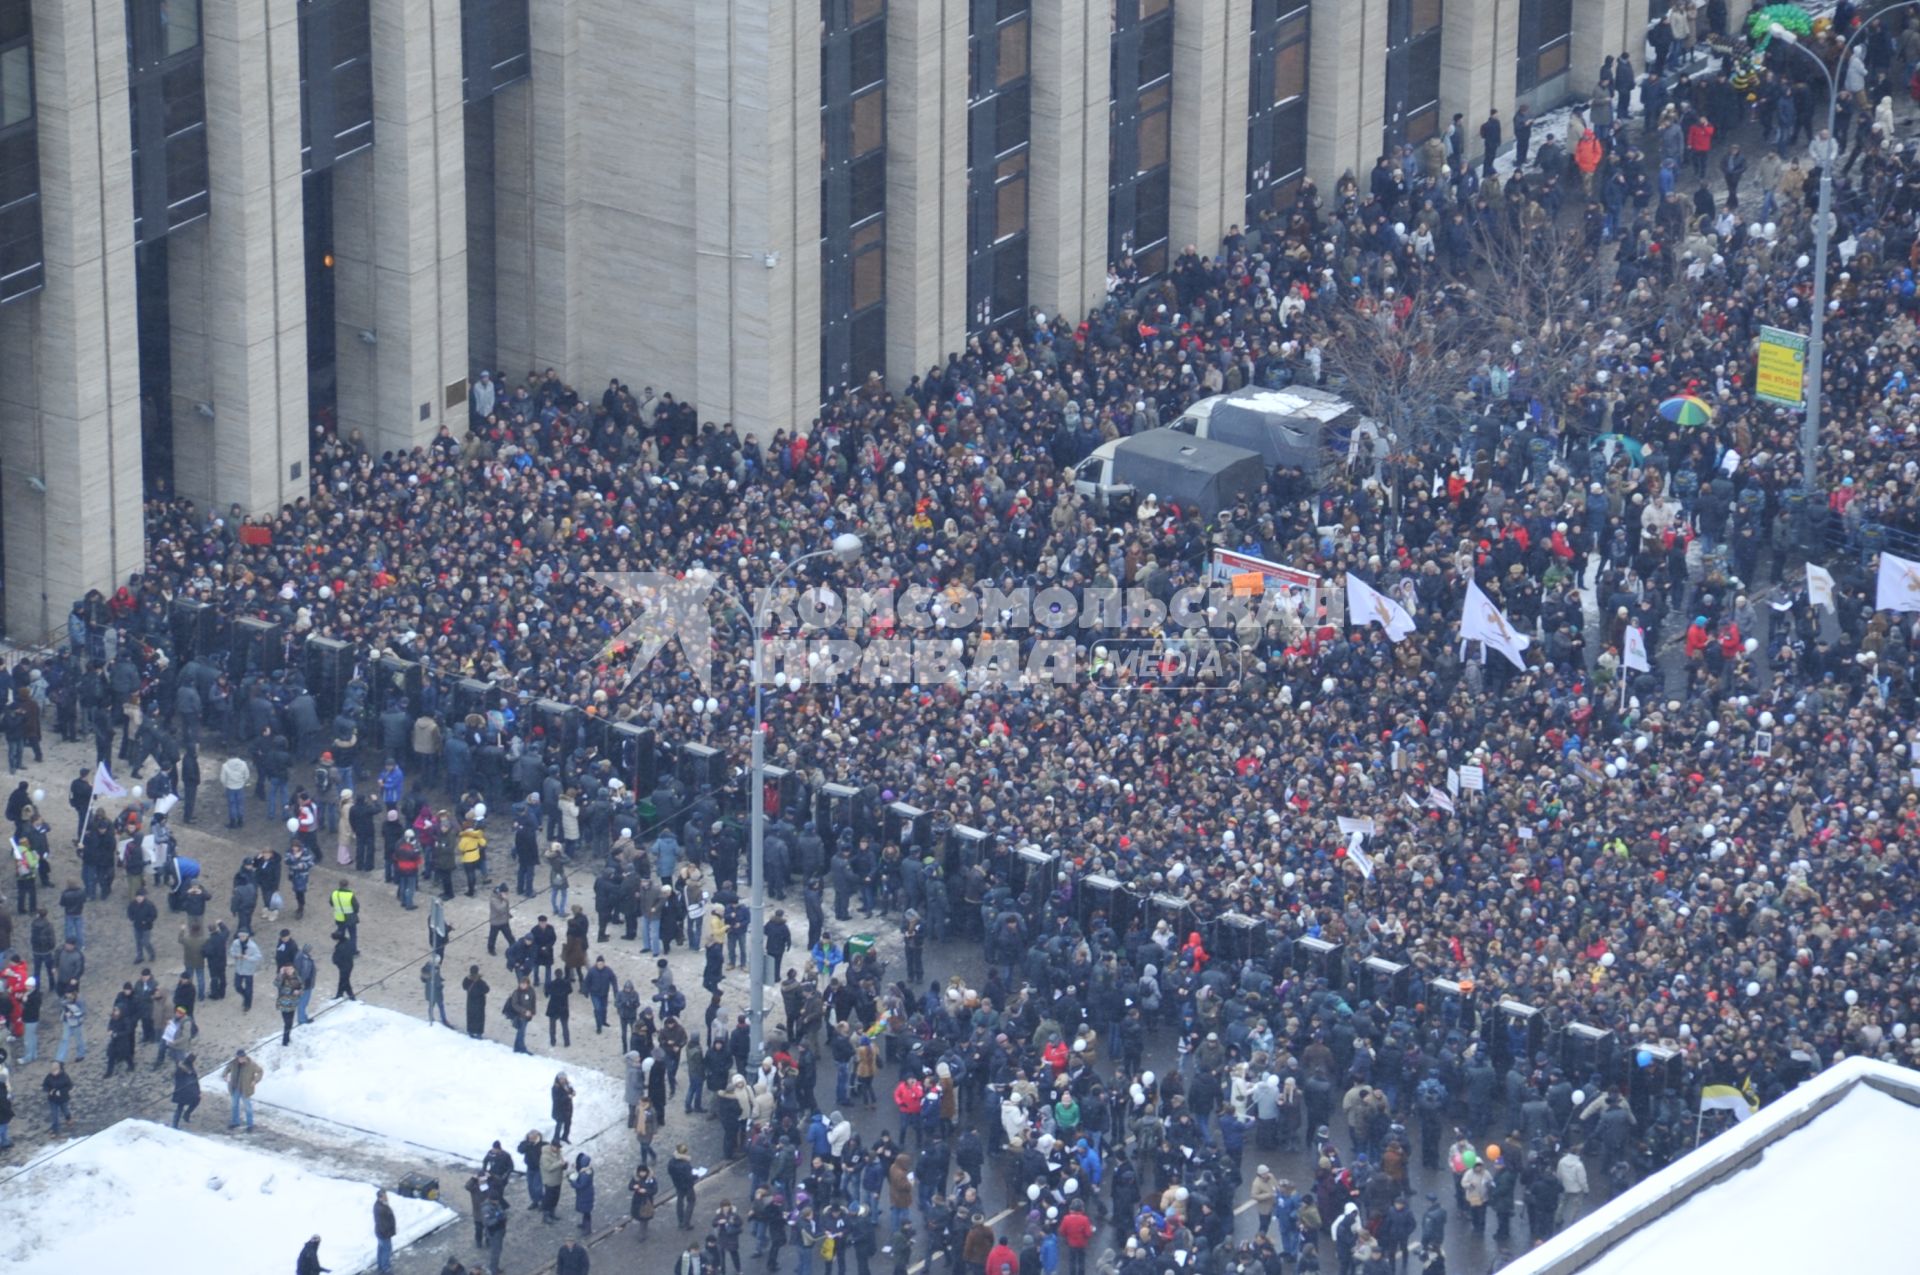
(847, 548)
(1822, 234)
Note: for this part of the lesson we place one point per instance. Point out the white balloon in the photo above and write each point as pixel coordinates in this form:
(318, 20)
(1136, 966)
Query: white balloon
(1713, 728)
(1640, 744)
(1853, 997)
(1752, 645)
(1287, 879)
(1606, 960)
(1766, 721)
(779, 680)
(1706, 830)
(1899, 1031)
(479, 810)
(713, 705)
(39, 795)
(1613, 771)
(138, 792)
(293, 825)
(1579, 1096)
(1753, 989)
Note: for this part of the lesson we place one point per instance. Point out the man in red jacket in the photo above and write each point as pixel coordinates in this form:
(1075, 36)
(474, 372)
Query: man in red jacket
(1076, 1230)
(1002, 1260)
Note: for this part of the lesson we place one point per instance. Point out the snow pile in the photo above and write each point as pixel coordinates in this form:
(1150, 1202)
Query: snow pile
(1825, 1166)
(1837, 1189)
(399, 1078)
(141, 1196)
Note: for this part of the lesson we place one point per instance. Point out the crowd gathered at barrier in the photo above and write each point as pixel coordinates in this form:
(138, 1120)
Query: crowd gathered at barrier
(1406, 880)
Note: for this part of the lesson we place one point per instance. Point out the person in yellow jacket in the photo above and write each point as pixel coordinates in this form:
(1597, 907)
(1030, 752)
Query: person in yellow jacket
(346, 910)
(469, 849)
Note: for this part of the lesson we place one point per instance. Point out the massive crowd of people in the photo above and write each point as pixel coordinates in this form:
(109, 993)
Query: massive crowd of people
(1707, 865)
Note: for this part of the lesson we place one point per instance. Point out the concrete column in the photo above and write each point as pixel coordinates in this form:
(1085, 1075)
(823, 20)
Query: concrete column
(537, 204)
(926, 184)
(1211, 69)
(1067, 187)
(756, 187)
(1346, 88)
(412, 270)
(1477, 63)
(1601, 29)
(69, 356)
(238, 281)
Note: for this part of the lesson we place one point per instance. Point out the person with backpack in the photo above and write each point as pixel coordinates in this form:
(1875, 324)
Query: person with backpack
(519, 1011)
(493, 1220)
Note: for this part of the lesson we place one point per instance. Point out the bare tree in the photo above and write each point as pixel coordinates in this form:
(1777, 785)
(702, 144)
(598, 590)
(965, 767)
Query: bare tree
(1404, 361)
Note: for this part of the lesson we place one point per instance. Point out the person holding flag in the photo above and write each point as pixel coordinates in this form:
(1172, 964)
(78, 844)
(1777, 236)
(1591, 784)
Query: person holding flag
(1740, 1101)
(1481, 621)
(1899, 584)
(1367, 605)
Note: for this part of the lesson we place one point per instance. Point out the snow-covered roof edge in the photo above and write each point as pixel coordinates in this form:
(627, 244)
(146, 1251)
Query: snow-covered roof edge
(1579, 1246)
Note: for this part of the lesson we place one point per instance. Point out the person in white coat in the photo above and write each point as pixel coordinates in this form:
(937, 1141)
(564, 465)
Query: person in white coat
(1572, 1172)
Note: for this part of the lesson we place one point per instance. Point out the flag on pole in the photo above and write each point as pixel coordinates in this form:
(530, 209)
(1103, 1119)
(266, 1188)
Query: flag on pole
(1439, 799)
(1357, 852)
(1899, 584)
(1366, 604)
(1484, 622)
(1635, 656)
(1736, 1099)
(1820, 587)
(104, 784)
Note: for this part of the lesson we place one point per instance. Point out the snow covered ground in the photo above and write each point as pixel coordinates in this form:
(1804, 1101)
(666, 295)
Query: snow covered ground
(141, 1196)
(1558, 123)
(395, 1077)
(1816, 1181)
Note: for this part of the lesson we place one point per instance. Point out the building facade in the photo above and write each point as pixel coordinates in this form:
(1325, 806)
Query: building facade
(223, 222)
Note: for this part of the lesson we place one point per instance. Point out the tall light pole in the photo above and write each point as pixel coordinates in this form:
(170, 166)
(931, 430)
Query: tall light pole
(847, 547)
(1822, 234)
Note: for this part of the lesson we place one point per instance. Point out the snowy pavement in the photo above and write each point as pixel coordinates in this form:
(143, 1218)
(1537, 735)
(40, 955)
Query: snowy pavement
(420, 1087)
(167, 1202)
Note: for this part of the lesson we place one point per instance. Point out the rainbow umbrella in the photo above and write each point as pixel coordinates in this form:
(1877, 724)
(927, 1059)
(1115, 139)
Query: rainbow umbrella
(1686, 409)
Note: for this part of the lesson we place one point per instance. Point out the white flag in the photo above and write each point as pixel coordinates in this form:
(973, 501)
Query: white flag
(1636, 653)
(1358, 854)
(1437, 798)
(1366, 604)
(104, 784)
(1899, 584)
(1820, 586)
(1357, 826)
(1483, 622)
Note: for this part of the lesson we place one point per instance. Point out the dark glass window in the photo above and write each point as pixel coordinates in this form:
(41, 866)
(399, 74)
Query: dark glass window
(1140, 126)
(999, 139)
(166, 83)
(22, 261)
(494, 46)
(1545, 43)
(16, 85)
(853, 192)
(1413, 71)
(336, 81)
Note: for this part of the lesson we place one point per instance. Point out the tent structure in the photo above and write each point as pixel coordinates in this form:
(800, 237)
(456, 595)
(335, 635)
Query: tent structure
(1181, 470)
(1298, 427)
